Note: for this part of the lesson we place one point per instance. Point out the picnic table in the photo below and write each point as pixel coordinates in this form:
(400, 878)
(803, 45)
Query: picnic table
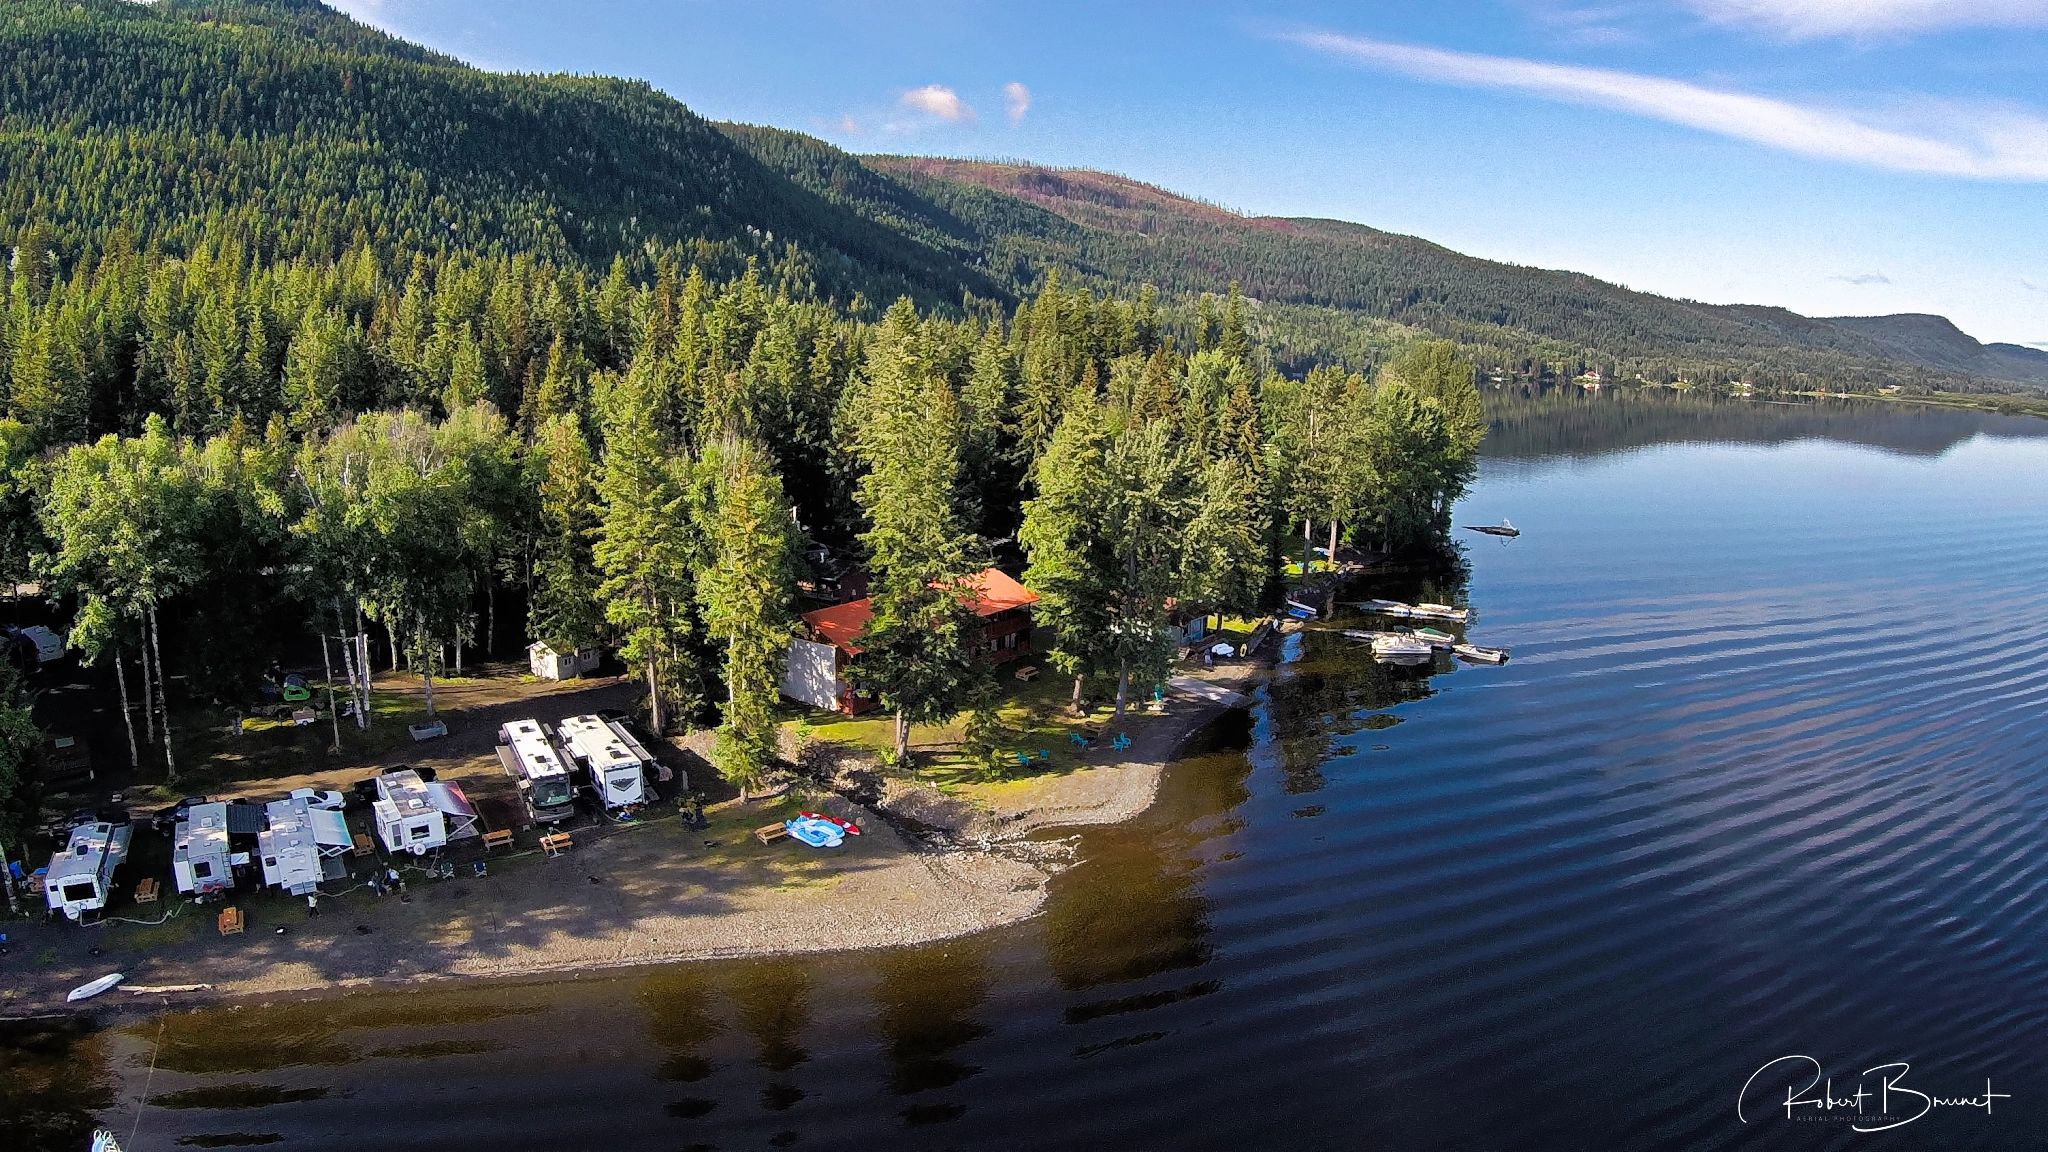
(231, 921)
(147, 890)
(556, 843)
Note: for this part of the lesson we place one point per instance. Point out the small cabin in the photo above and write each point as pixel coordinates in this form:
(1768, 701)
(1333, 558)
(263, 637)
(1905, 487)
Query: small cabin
(818, 661)
(81, 874)
(548, 664)
(201, 863)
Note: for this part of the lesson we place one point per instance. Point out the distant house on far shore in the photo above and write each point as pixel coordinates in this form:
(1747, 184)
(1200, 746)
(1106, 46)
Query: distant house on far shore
(818, 660)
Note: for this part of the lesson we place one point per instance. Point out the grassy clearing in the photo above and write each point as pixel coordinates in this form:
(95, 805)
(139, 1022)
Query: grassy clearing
(212, 752)
(1035, 721)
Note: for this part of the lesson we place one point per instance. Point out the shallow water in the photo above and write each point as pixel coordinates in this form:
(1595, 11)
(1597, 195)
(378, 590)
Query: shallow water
(1764, 777)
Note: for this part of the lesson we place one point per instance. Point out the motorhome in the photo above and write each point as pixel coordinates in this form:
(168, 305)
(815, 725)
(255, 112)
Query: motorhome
(417, 817)
(616, 763)
(303, 845)
(81, 875)
(532, 759)
(201, 863)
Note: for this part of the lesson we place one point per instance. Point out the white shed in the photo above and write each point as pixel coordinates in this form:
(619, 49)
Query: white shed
(813, 674)
(549, 664)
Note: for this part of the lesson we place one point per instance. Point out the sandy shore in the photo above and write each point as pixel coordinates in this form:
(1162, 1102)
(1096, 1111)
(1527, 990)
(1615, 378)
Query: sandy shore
(931, 866)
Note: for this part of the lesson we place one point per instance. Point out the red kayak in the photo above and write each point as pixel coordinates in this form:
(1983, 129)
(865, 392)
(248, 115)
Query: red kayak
(846, 826)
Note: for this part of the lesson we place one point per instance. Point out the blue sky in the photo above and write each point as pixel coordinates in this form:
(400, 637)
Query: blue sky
(1831, 156)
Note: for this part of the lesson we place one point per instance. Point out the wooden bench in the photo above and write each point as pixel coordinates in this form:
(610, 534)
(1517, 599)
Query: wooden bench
(769, 833)
(501, 838)
(360, 844)
(556, 843)
(231, 922)
(148, 890)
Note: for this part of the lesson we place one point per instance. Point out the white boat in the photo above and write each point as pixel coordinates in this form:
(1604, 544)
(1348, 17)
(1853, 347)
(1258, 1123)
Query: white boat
(1435, 638)
(1385, 607)
(1360, 635)
(1441, 612)
(1504, 528)
(1479, 655)
(1391, 647)
(93, 988)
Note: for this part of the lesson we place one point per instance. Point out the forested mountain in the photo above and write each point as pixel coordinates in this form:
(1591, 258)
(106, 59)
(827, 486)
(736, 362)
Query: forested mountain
(1934, 340)
(300, 133)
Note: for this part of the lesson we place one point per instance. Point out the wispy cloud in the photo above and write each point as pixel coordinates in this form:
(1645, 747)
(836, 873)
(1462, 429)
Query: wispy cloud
(939, 101)
(1863, 279)
(1809, 19)
(2030, 286)
(1949, 140)
(850, 126)
(1016, 101)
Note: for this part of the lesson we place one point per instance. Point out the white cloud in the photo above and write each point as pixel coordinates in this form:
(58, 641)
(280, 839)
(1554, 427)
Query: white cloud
(1806, 19)
(1863, 279)
(1016, 101)
(1946, 139)
(940, 101)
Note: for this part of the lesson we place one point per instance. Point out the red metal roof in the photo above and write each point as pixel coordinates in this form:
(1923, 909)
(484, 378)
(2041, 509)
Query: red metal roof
(842, 624)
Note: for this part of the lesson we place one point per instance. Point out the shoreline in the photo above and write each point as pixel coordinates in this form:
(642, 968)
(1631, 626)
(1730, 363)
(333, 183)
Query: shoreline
(934, 866)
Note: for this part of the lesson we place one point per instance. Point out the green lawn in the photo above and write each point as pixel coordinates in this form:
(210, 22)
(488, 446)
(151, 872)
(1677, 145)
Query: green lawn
(1034, 717)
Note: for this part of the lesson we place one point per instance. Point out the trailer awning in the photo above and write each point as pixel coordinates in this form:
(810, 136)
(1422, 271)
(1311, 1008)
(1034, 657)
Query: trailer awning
(462, 820)
(330, 829)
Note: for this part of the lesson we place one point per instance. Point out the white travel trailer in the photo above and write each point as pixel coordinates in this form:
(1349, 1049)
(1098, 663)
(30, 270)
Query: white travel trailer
(81, 876)
(303, 845)
(200, 857)
(616, 762)
(531, 758)
(417, 817)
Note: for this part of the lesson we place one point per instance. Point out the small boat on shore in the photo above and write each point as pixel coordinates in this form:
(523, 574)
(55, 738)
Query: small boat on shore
(1384, 607)
(1393, 647)
(92, 988)
(1441, 612)
(1300, 611)
(1435, 637)
(1481, 655)
(1504, 528)
(1360, 635)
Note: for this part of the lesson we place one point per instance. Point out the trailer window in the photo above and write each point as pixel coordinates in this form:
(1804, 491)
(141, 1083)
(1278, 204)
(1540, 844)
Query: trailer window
(79, 892)
(202, 869)
(420, 832)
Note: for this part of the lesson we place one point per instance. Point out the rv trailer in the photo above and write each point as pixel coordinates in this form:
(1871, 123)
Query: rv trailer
(303, 846)
(200, 863)
(531, 758)
(417, 817)
(81, 876)
(616, 763)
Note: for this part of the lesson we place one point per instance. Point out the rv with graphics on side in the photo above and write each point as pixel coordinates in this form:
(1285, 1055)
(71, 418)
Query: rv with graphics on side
(615, 762)
(532, 759)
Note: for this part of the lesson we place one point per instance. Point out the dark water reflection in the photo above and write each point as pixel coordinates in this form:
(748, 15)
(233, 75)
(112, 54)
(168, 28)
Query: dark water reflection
(1764, 777)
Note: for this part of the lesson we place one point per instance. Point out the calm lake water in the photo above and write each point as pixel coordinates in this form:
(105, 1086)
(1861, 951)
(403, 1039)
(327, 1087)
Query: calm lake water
(1764, 778)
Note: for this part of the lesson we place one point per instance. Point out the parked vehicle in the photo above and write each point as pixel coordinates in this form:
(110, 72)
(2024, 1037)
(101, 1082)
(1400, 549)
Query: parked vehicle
(533, 760)
(613, 761)
(81, 875)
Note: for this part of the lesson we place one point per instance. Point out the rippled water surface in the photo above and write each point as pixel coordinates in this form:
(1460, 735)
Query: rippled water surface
(1764, 777)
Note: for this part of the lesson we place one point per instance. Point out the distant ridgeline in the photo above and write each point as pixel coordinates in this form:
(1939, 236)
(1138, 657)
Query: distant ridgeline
(280, 130)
